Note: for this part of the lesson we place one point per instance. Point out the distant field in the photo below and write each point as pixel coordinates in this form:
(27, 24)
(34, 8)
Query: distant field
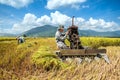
(7, 38)
(35, 60)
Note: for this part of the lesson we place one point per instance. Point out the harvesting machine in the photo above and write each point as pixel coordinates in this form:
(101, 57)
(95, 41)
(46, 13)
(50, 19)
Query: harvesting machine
(77, 51)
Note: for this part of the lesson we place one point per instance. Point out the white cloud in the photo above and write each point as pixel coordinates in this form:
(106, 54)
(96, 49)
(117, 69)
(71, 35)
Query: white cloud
(44, 20)
(31, 21)
(28, 22)
(99, 25)
(16, 3)
(58, 18)
(53, 4)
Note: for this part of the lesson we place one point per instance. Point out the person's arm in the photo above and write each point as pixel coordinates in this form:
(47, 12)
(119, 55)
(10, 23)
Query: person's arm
(65, 36)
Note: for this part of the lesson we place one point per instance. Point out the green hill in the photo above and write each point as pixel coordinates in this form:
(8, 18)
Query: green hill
(42, 31)
(49, 31)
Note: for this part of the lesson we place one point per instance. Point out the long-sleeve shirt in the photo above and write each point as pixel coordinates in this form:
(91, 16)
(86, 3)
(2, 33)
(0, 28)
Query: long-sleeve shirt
(59, 36)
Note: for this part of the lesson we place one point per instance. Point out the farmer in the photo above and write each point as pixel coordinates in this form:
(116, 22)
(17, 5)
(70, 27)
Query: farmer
(20, 39)
(60, 37)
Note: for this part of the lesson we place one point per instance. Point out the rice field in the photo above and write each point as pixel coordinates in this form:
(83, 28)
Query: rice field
(36, 60)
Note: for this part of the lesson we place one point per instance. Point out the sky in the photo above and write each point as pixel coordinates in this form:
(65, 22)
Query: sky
(17, 16)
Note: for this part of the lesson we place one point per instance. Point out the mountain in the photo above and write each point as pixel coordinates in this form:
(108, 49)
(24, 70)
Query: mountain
(102, 34)
(42, 31)
(7, 34)
(49, 31)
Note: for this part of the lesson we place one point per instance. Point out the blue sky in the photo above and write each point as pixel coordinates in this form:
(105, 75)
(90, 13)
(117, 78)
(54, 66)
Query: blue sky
(17, 16)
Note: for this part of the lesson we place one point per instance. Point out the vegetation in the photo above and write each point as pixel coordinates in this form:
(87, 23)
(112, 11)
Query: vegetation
(35, 60)
(96, 42)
